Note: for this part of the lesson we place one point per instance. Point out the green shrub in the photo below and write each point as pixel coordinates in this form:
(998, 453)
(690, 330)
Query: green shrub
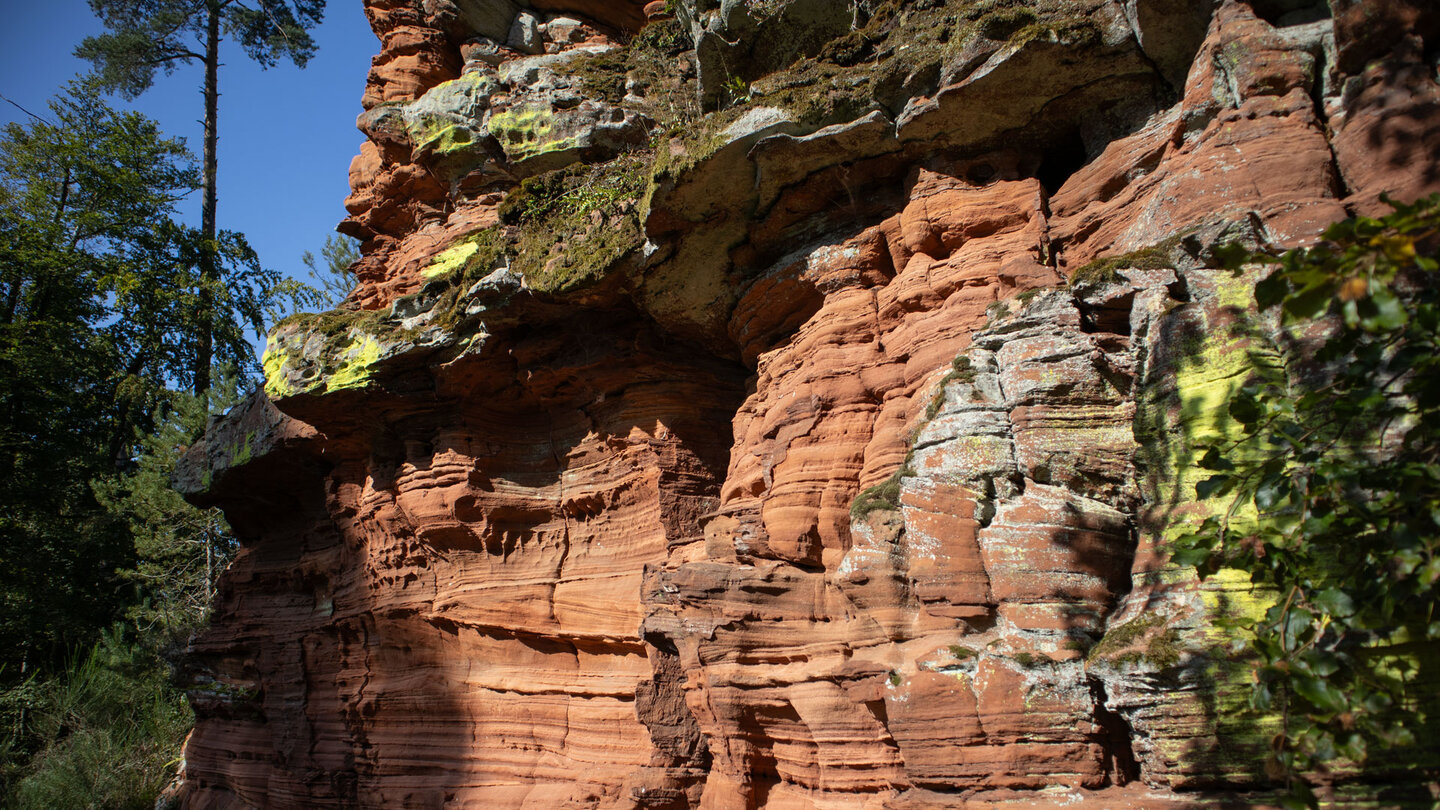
(104, 734)
(1326, 491)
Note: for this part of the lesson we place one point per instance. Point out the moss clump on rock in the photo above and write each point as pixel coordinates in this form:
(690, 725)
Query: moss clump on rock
(884, 495)
(1107, 269)
(573, 224)
(645, 66)
(1030, 660)
(1122, 645)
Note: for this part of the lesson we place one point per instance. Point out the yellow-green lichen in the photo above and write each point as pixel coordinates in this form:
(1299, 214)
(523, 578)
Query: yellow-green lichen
(443, 139)
(1213, 355)
(355, 364)
(274, 364)
(451, 259)
(527, 130)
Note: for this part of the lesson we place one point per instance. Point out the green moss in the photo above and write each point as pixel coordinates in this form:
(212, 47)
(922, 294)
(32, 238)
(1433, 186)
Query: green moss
(1122, 644)
(1025, 297)
(962, 653)
(1004, 22)
(896, 679)
(1031, 660)
(960, 371)
(1164, 649)
(578, 222)
(1107, 269)
(648, 62)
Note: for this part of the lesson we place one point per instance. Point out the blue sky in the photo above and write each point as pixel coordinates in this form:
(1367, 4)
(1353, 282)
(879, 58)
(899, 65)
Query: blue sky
(286, 135)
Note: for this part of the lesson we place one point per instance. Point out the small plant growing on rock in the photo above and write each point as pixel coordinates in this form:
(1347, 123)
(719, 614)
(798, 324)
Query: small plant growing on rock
(1107, 269)
(737, 91)
(884, 495)
(960, 371)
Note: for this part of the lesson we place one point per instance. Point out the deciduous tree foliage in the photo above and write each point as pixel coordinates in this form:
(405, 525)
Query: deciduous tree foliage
(78, 196)
(99, 322)
(1329, 497)
(99, 289)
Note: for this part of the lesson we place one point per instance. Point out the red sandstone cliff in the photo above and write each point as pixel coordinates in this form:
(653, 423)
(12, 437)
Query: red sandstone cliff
(727, 416)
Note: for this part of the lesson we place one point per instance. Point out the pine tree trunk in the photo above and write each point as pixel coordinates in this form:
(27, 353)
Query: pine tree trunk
(209, 262)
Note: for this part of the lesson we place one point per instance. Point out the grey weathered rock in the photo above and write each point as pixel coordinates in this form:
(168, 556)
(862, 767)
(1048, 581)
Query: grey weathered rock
(490, 18)
(524, 34)
(564, 30)
(1170, 32)
(741, 41)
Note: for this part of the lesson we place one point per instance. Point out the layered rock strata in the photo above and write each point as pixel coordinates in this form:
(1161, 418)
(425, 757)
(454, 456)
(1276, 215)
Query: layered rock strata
(779, 404)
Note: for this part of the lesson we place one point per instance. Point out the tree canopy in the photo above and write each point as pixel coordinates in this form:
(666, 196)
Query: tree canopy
(100, 317)
(149, 35)
(98, 287)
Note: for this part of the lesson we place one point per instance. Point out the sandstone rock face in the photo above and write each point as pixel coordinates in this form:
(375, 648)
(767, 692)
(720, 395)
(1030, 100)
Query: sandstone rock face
(777, 440)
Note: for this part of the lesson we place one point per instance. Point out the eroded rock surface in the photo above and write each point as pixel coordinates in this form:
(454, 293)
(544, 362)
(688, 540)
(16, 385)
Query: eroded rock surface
(779, 405)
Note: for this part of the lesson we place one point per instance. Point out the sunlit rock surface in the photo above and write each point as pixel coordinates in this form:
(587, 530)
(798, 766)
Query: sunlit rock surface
(732, 412)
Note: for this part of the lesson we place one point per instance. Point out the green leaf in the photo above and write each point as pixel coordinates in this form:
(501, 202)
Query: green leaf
(1194, 557)
(1353, 747)
(1271, 290)
(1295, 626)
(1334, 602)
(1213, 460)
(1214, 486)
(1232, 256)
(1321, 694)
(1310, 303)
(1271, 491)
(1245, 408)
(1385, 312)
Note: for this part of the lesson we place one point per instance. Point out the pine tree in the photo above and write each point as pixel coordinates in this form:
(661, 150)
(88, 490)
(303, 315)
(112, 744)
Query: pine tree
(146, 35)
(336, 279)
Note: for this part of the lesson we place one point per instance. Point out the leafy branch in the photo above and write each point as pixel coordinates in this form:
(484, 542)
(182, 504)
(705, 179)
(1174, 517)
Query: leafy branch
(1329, 495)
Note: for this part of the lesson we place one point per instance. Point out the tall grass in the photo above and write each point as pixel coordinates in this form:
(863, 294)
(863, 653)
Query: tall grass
(104, 734)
